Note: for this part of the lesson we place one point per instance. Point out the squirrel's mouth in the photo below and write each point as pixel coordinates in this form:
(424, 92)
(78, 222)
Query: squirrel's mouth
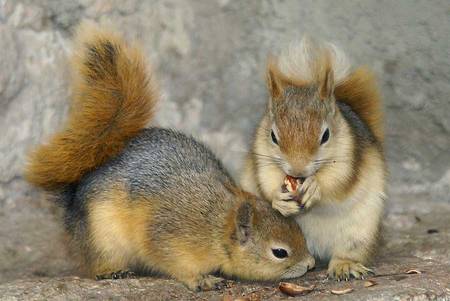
(296, 178)
(300, 268)
(291, 183)
(301, 180)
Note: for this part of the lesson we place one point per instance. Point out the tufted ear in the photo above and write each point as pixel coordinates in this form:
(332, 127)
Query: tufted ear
(244, 222)
(327, 85)
(274, 80)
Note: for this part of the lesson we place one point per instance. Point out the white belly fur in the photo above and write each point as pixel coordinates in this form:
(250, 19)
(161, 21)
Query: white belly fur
(335, 228)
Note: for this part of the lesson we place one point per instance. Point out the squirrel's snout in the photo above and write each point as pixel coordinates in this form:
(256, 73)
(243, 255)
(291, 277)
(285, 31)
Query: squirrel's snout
(299, 170)
(300, 268)
(310, 262)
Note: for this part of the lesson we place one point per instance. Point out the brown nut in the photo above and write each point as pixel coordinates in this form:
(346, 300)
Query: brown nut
(293, 290)
(292, 183)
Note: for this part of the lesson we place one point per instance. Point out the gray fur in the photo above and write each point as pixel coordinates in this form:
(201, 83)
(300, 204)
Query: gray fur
(359, 129)
(165, 165)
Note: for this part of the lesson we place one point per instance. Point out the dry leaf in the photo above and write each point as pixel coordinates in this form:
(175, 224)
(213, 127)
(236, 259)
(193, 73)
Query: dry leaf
(369, 283)
(342, 291)
(242, 299)
(413, 272)
(292, 289)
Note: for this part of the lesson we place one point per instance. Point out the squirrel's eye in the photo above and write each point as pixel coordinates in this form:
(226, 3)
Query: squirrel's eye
(274, 138)
(325, 136)
(280, 253)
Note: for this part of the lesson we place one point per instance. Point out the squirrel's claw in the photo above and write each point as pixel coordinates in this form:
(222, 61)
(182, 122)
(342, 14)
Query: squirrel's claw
(286, 196)
(209, 282)
(346, 269)
(309, 192)
(116, 275)
(286, 205)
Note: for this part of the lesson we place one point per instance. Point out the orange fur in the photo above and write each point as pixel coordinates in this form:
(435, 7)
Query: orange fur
(360, 92)
(124, 240)
(358, 89)
(113, 99)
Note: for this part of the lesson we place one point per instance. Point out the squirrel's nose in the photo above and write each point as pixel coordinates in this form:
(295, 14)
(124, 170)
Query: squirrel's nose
(294, 172)
(310, 262)
(300, 169)
(299, 175)
(300, 268)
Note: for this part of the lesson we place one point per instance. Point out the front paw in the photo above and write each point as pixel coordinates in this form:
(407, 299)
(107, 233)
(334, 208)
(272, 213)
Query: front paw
(206, 283)
(211, 282)
(286, 204)
(116, 275)
(343, 269)
(309, 193)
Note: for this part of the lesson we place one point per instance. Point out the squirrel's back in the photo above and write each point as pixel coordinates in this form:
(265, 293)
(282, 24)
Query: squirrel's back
(162, 188)
(163, 164)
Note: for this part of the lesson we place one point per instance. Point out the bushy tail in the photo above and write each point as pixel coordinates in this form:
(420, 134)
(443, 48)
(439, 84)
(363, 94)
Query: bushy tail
(113, 99)
(360, 91)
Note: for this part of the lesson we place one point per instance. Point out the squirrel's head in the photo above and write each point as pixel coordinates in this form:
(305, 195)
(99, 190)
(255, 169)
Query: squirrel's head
(262, 244)
(302, 122)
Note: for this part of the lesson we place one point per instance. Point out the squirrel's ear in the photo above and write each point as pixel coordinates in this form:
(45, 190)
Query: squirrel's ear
(244, 222)
(327, 85)
(274, 85)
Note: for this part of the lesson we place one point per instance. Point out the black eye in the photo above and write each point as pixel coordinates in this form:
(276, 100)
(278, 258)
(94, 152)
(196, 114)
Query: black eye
(274, 138)
(325, 136)
(280, 253)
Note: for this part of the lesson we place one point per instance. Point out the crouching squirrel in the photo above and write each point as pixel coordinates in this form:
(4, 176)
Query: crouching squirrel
(323, 126)
(152, 199)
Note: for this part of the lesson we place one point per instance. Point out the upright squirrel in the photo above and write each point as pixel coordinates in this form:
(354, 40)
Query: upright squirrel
(323, 127)
(152, 199)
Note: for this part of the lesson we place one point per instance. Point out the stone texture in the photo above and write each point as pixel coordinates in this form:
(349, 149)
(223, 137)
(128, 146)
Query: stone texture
(416, 237)
(210, 57)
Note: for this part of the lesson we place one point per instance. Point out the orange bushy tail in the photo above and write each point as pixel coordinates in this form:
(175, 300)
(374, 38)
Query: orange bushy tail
(113, 99)
(360, 91)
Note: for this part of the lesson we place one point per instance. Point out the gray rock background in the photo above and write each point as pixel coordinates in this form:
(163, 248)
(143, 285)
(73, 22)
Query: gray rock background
(210, 57)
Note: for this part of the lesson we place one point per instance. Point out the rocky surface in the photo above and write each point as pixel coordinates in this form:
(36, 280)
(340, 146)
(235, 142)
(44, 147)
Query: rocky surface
(416, 238)
(210, 56)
